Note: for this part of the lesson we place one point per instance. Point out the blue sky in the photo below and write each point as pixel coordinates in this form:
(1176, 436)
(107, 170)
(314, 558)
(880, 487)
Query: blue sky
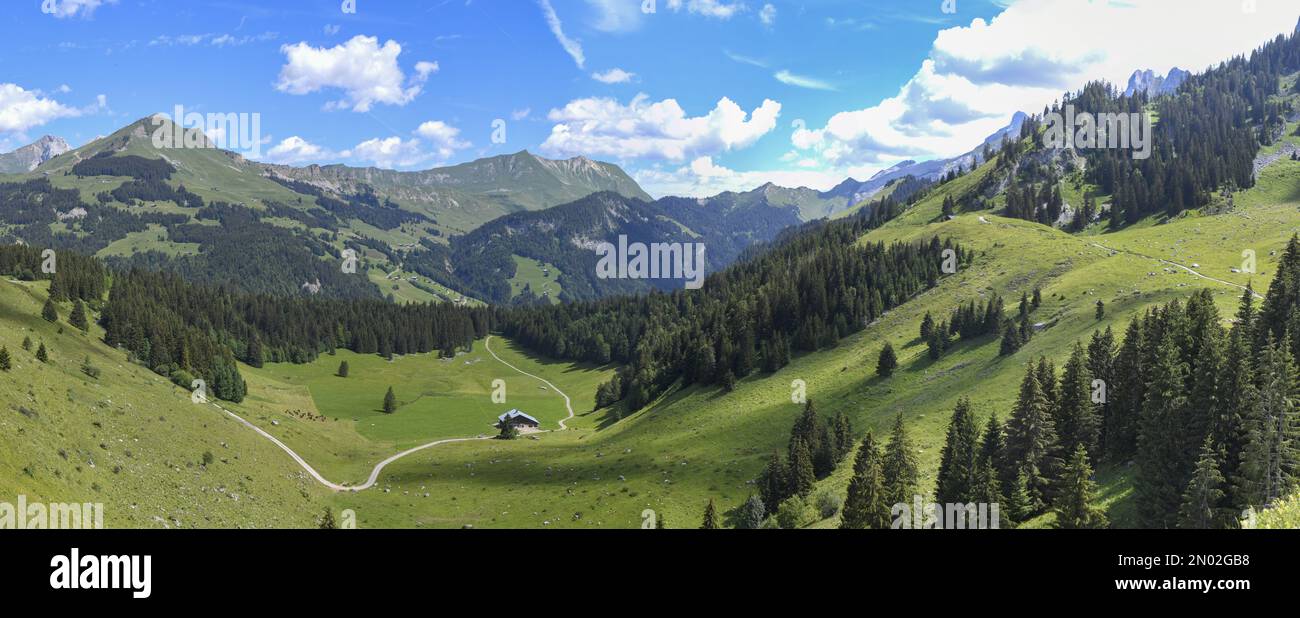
(696, 97)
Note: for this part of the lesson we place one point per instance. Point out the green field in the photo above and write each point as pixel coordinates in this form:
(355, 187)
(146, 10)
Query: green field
(542, 279)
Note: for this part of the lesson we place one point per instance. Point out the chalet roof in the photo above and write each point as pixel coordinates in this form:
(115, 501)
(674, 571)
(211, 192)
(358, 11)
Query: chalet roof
(514, 414)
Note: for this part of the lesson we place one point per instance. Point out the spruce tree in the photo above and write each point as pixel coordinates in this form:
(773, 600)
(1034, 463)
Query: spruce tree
(710, 517)
(900, 469)
(801, 476)
(1236, 403)
(866, 506)
(1203, 502)
(49, 312)
(1079, 422)
(957, 463)
(343, 369)
(27, 344)
(1162, 460)
(776, 483)
(327, 520)
(887, 362)
(390, 401)
(1032, 443)
(1101, 310)
(752, 513)
(1073, 503)
(41, 354)
(927, 326)
(1271, 458)
(78, 317)
(6, 363)
(841, 437)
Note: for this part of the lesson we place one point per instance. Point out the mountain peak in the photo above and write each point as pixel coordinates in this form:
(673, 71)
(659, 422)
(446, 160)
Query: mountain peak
(29, 157)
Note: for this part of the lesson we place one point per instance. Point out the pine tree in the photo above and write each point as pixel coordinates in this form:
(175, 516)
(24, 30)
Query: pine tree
(6, 363)
(49, 312)
(1032, 442)
(78, 317)
(343, 369)
(710, 517)
(1074, 501)
(888, 361)
(1037, 300)
(1126, 394)
(900, 468)
(957, 463)
(866, 506)
(41, 354)
(390, 401)
(1101, 310)
(27, 344)
(1203, 502)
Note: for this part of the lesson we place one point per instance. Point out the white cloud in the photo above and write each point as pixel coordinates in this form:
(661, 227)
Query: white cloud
(613, 76)
(521, 114)
(702, 177)
(767, 15)
(571, 46)
(444, 138)
(22, 109)
(392, 152)
(72, 8)
(365, 71)
(655, 130)
(708, 8)
(296, 151)
(332, 29)
(977, 76)
(801, 81)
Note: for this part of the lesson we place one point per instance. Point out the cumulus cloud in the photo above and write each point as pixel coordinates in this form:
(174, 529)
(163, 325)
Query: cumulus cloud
(295, 151)
(391, 152)
(444, 138)
(571, 46)
(767, 15)
(72, 8)
(655, 130)
(22, 109)
(613, 76)
(365, 71)
(976, 76)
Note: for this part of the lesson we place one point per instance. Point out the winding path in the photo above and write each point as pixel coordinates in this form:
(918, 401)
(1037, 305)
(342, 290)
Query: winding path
(567, 403)
(379, 468)
(1177, 265)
